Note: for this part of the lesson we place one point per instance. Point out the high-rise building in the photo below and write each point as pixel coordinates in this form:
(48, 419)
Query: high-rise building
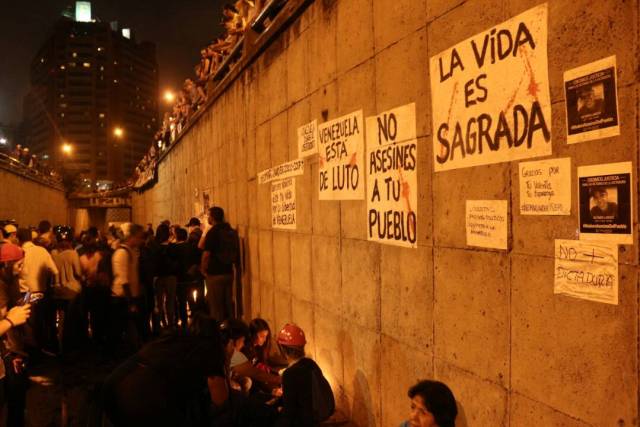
(94, 87)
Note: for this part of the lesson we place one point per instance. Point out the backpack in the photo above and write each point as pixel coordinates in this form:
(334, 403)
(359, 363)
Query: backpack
(323, 403)
(229, 245)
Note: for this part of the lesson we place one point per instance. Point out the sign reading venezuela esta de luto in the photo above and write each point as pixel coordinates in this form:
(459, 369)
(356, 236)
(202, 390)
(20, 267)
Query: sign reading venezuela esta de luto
(490, 95)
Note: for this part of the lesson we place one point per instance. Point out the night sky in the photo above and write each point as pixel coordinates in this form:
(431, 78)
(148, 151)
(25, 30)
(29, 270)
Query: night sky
(179, 28)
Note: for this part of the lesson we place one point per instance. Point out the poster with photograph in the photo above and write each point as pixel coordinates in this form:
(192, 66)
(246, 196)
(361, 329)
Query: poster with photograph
(490, 95)
(341, 158)
(392, 177)
(606, 202)
(486, 223)
(283, 204)
(592, 101)
(308, 139)
(586, 270)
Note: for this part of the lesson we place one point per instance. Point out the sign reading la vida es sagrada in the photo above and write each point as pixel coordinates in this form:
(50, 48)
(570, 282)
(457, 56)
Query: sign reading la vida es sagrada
(490, 95)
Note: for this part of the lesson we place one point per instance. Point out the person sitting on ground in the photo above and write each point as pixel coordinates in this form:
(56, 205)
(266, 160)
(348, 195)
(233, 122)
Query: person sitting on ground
(243, 372)
(432, 405)
(162, 384)
(307, 398)
(258, 348)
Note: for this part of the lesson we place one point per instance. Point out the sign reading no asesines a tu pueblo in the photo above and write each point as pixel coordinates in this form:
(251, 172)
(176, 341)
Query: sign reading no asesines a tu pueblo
(490, 95)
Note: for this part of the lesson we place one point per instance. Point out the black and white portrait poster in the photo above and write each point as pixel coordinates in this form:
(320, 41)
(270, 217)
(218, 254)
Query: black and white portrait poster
(592, 101)
(606, 202)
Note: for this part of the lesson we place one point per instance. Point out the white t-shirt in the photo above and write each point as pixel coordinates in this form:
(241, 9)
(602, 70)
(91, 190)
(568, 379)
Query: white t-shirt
(238, 358)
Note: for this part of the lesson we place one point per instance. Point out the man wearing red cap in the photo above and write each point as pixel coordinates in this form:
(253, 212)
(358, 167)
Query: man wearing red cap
(13, 378)
(307, 398)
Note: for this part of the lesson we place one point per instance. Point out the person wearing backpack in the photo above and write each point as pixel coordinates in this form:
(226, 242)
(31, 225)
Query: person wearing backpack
(307, 398)
(221, 254)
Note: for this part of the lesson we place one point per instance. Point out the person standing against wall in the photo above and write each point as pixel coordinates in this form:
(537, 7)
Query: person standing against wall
(221, 254)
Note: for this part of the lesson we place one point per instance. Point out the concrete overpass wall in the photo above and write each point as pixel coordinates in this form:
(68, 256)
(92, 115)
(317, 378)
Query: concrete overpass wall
(29, 201)
(380, 317)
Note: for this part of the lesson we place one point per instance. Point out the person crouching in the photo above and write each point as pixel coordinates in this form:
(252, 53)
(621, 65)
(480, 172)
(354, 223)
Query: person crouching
(307, 398)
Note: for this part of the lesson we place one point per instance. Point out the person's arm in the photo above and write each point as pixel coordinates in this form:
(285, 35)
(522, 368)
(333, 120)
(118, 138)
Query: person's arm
(15, 317)
(204, 262)
(218, 390)
(247, 369)
(51, 265)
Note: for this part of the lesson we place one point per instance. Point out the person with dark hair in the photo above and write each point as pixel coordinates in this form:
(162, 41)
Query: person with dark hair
(96, 288)
(221, 254)
(244, 371)
(46, 236)
(307, 398)
(38, 271)
(258, 347)
(166, 277)
(432, 405)
(68, 290)
(602, 207)
(184, 277)
(163, 384)
(127, 299)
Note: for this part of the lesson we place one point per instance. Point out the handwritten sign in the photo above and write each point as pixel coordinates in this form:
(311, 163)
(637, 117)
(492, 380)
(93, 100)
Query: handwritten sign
(308, 139)
(486, 222)
(490, 95)
(341, 158)
(545, 187)
(392, 177)
(283, 204)
(587, 270)
(285, 170)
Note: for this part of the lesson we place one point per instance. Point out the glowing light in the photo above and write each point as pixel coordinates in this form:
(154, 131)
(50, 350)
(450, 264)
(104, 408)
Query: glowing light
(67, 148)
(83, 11)
(126, 33)
(169, 96)
(3, 141)
(118, 132)
(195, 294)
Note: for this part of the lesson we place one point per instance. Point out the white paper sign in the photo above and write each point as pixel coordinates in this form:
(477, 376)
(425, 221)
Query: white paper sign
(545, 187)
(392, 177)
(341, 158)
(486, 223)
(592, 101)
(308, 139)
(490, 95)
(285, 170)
(587, 270)
(283, 204)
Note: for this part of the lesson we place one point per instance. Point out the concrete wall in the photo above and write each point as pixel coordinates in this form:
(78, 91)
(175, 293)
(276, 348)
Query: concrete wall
(29, 202)
(378, 317)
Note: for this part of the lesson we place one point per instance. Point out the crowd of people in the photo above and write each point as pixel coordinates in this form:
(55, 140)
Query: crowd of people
(21, 158)
(160, 303)
(217, 56)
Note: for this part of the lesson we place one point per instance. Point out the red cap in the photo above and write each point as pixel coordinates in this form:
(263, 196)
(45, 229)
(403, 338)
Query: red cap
(10, 252)
(291, 335)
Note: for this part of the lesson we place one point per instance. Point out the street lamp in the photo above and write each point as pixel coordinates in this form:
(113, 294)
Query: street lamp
(67, 148)
(169, 96)
(118, 132)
